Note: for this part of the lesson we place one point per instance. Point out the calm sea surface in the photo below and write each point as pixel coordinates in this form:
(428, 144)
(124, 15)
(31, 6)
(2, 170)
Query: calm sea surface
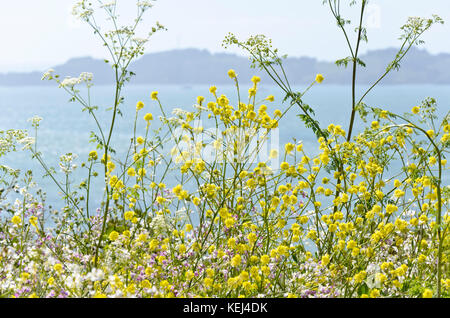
(66, 129)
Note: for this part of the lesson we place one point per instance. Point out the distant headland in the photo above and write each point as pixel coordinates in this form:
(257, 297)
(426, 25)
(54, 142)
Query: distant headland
(195, 66)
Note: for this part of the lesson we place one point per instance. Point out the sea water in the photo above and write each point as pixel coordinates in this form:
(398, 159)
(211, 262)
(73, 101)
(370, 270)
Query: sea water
(66, 129)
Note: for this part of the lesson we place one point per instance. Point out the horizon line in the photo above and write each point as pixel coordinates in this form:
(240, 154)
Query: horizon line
(214, 53)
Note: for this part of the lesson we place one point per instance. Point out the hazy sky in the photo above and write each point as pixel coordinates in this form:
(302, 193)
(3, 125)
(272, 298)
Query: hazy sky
(37, 34)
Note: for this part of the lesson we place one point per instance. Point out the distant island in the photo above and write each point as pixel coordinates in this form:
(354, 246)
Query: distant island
(195, 66)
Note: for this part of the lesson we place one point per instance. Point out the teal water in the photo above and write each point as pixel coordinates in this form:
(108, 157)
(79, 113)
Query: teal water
(65, 128)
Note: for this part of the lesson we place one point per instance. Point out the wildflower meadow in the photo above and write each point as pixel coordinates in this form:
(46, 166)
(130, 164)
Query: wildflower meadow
(366, 215)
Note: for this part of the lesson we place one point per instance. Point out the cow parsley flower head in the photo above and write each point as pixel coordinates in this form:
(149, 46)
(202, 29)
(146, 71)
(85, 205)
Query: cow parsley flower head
(96, 274)
(48, 75)
(159, 224)
(144, 4)
(70, 82)
(86, 77)
(35, 121)
(27, 142)
(139, 41)
(109, 5)
(83, 10)
(66, 163)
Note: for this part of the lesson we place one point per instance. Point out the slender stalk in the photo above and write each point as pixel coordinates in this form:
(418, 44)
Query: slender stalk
(355, 65)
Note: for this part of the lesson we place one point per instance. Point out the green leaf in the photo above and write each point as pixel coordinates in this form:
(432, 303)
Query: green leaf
(363, 289)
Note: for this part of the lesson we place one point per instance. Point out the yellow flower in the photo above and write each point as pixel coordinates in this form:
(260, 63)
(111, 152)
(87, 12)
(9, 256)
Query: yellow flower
(131, 172)
(113, 236)
(325, 259)
(374, 293)
(251, 115)
(289, 147)
(381, 277)
(128, 215)
(231, 242)
(282, 189)
(148, 117)
(164, 284)
(332, 227)
(422, 258)
(229, 222)
(256, 79)
(236, 260)
(231, 73)
(58, 267)
(160, 200)
(16, 220)
(142, 172)
(189, 275)
(355, 252)
(415, 109)
(111, 165)
(265, 259)
(399, 193)
(424, 244)
(139, 105)
(140, 140)
(277, 113)
(154, 95)
(223, 101)
(319, 78)
(360, 277)
(390, 208)
(270, 98)
(432, 161)
(213, 89)
(182, 249)
(200, 100)
(351, 244)
(338, 215)
(25, 276)
(115, 196)
(273, 154)
(428, 293)
(131, 289)
(146, 284)
(252, 237)
(208, 282)
(33, 221)
(93, 155)
(196, 201)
